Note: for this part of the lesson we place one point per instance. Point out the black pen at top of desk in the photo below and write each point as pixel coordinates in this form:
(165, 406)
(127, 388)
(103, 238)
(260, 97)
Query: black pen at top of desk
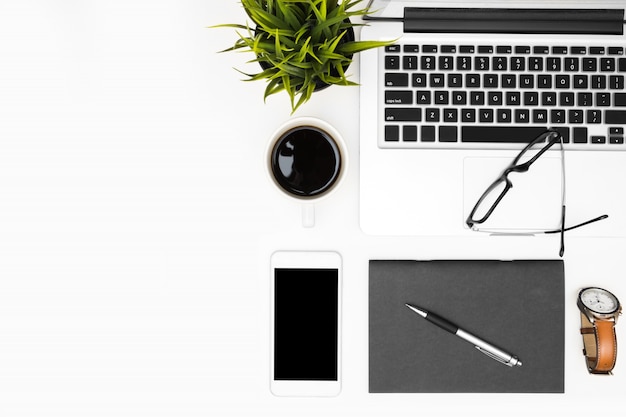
(487, 348)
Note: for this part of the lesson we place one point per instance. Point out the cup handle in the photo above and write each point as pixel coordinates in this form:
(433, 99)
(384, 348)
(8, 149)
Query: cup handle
(308, 215)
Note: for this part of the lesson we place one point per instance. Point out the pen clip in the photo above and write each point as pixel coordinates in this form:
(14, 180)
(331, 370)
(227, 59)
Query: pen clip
(496, 357)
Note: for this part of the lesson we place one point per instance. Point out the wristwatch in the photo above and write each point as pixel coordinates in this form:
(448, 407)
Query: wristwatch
(599, 310)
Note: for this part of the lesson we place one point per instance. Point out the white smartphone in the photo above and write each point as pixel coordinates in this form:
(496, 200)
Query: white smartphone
(305, 323)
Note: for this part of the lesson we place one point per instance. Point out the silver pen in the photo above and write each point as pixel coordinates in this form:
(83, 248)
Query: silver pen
(487, 348)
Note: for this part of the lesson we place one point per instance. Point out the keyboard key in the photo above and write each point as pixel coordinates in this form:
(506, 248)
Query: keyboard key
(411, 49)
(501, 134)
(477, 98)
(472, 81)
(450, 115)
(590, 64)
(564, 132)
(598, 139)
(464, 63)
(427, 63)
(490, 81)
(508, 81)
(603, 99)
(419, 80)
(522, 49)
(619, 99)
(578, 50)
(437, 80)
(455, 80)
(423, 97)
(459, 98)
(486, 115)
(581, 82)
(396, 79)
(541, 50)
(429, 48)
(548, 99)
(446, 63)
(481, 63)
(513, 98)
(432, 114)
(398, 97)
(392, 133)
(615, 117)
(575, 116)
(485, 49)
(500, 63)
(495, 98)
(392, 48)
(540, 116)
(584, 99)
(580, 135)
(467, 49)
(535, 64)
(616, 50)
(468, 115)
(594, 116)
(522, 116)
(448, 49)
(428, 133)
(559, 50)
(409, 133)
(403, 114)
(392, 62)
(566, 99)
(442, 97)
(607, 64)
(504, 49)
(553, 64)
(409, 62)
(531, 98)
(448, 134)
(598, 82)
(518, 63)
(504, 115)
(557, 116)
(526, 81)
(596, 50)
(572, 64)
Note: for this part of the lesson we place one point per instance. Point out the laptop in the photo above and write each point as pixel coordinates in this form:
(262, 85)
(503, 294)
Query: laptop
(463, 89)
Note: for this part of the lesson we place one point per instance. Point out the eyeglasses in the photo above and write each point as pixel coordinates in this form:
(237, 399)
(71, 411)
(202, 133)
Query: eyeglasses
(492, 196)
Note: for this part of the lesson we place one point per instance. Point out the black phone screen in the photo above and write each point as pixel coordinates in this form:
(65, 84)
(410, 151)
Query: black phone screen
(305, 324)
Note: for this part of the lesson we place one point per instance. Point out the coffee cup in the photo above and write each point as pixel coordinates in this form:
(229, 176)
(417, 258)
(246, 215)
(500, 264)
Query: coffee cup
(306, 160)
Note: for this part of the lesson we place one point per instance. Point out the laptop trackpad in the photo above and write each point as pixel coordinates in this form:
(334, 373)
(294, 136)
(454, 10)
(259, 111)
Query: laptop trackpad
(533, 203)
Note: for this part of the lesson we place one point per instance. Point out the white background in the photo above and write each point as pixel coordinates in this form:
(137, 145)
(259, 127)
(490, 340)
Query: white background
(137, 222)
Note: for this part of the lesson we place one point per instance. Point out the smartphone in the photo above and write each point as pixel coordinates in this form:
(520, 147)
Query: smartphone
(305, 323)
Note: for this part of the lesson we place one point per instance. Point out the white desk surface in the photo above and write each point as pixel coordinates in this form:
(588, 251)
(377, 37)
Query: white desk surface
(136, 225)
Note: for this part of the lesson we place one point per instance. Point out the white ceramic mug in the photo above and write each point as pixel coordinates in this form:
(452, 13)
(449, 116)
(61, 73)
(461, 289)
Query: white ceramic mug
(306, 160)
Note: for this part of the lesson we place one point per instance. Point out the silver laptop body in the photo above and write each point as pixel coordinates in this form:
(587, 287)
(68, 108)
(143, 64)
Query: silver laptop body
(421, 173)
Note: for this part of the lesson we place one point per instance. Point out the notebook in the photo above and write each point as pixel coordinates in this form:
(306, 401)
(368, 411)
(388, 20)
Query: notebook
(448, 106)
(516, 305)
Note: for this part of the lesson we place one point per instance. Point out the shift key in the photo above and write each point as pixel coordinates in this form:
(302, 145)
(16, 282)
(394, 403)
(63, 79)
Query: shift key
(615, 117)
(403, 114)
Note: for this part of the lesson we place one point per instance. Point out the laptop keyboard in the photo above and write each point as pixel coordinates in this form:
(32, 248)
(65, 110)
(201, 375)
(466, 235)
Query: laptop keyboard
(481, 96)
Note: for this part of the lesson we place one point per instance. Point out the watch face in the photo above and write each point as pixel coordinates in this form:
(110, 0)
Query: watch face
(599, 300)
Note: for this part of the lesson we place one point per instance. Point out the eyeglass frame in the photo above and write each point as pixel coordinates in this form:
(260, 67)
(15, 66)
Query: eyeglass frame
(556, 137)
(513, 167)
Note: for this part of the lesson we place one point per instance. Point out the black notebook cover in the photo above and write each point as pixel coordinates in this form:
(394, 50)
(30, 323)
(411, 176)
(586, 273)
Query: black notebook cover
(515, 305)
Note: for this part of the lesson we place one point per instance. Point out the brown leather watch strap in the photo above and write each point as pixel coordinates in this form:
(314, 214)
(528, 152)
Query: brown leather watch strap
(600, 344)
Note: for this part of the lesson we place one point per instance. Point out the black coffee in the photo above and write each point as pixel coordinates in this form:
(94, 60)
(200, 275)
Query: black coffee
(305, 161)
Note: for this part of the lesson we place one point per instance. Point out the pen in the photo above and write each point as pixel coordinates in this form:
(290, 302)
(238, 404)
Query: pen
(485, 347)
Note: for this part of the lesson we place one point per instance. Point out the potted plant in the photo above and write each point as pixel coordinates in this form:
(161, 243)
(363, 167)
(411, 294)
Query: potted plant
(302, 46)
